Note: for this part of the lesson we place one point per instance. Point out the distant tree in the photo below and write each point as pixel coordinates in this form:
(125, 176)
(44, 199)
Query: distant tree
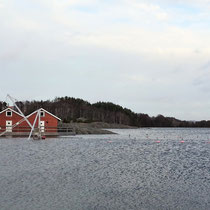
(71, 109)
(3, 105)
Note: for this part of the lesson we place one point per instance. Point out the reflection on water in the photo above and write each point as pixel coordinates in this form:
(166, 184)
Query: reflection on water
(137, 169)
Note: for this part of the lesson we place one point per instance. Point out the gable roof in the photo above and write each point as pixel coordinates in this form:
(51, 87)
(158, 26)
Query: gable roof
(12, 110)
(41, 109)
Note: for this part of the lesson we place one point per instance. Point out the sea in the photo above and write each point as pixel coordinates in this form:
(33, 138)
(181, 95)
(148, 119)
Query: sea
(146, 168)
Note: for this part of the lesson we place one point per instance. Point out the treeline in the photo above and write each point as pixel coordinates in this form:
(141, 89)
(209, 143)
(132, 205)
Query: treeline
(3, 105)
(77, 110)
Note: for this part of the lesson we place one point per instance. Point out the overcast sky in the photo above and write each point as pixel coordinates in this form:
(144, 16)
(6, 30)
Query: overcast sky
(151, 56)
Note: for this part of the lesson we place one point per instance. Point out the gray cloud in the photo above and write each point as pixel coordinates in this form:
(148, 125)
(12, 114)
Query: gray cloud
(151, 66)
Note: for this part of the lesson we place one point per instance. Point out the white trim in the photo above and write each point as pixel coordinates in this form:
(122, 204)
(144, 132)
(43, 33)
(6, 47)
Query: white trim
(42, 126)
(42, 114)
(41, 109)
(11, 111)
(14, 103)
(8, 125)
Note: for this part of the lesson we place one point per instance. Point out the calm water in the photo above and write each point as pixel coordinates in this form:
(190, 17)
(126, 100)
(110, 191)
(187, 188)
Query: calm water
(126, 171)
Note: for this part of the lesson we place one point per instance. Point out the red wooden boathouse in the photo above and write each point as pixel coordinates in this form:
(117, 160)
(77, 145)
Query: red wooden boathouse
(48, 121)
(8, 118)
(11, 121)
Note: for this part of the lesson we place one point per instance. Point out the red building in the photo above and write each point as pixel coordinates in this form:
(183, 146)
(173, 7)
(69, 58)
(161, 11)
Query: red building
(8, 118)
(48, 121)
(12, 121)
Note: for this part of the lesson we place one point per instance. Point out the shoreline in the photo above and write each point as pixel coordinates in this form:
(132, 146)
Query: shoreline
(95, 127)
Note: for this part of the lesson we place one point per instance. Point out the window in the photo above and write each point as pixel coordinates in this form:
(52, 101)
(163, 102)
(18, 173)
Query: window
(9, 114)
(42, 114)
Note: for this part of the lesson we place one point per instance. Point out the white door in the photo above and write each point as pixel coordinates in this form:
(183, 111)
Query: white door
(42, 126)
(9, 125)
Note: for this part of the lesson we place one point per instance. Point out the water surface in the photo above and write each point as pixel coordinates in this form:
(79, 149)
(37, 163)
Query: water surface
(136, 169)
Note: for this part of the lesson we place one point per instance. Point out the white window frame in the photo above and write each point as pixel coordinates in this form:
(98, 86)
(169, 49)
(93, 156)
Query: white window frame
(8, 115)
(42, 114)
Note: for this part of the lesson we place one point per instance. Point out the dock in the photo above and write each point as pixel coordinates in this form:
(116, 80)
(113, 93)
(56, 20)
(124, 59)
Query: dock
(48, 132)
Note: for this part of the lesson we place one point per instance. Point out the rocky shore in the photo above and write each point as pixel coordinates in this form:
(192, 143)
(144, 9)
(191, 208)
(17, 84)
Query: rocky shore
(94, 128)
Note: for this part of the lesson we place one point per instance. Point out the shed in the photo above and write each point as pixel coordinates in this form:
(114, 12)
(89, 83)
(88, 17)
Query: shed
(8, 118)
(11, 121)
(48, 121)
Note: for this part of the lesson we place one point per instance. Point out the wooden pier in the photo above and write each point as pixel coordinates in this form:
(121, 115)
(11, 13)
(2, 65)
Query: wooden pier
(47, 131)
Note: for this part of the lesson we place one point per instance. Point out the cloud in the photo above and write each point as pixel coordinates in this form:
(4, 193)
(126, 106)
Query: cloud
(147, 27)
(9, 56)
(203, 3)
(1, 5)
(151, 56)
(202, 78)
(27, 24)
(171, 41)
(149, 9)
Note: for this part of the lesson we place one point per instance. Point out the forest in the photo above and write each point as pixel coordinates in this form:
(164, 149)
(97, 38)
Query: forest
(71, 109)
